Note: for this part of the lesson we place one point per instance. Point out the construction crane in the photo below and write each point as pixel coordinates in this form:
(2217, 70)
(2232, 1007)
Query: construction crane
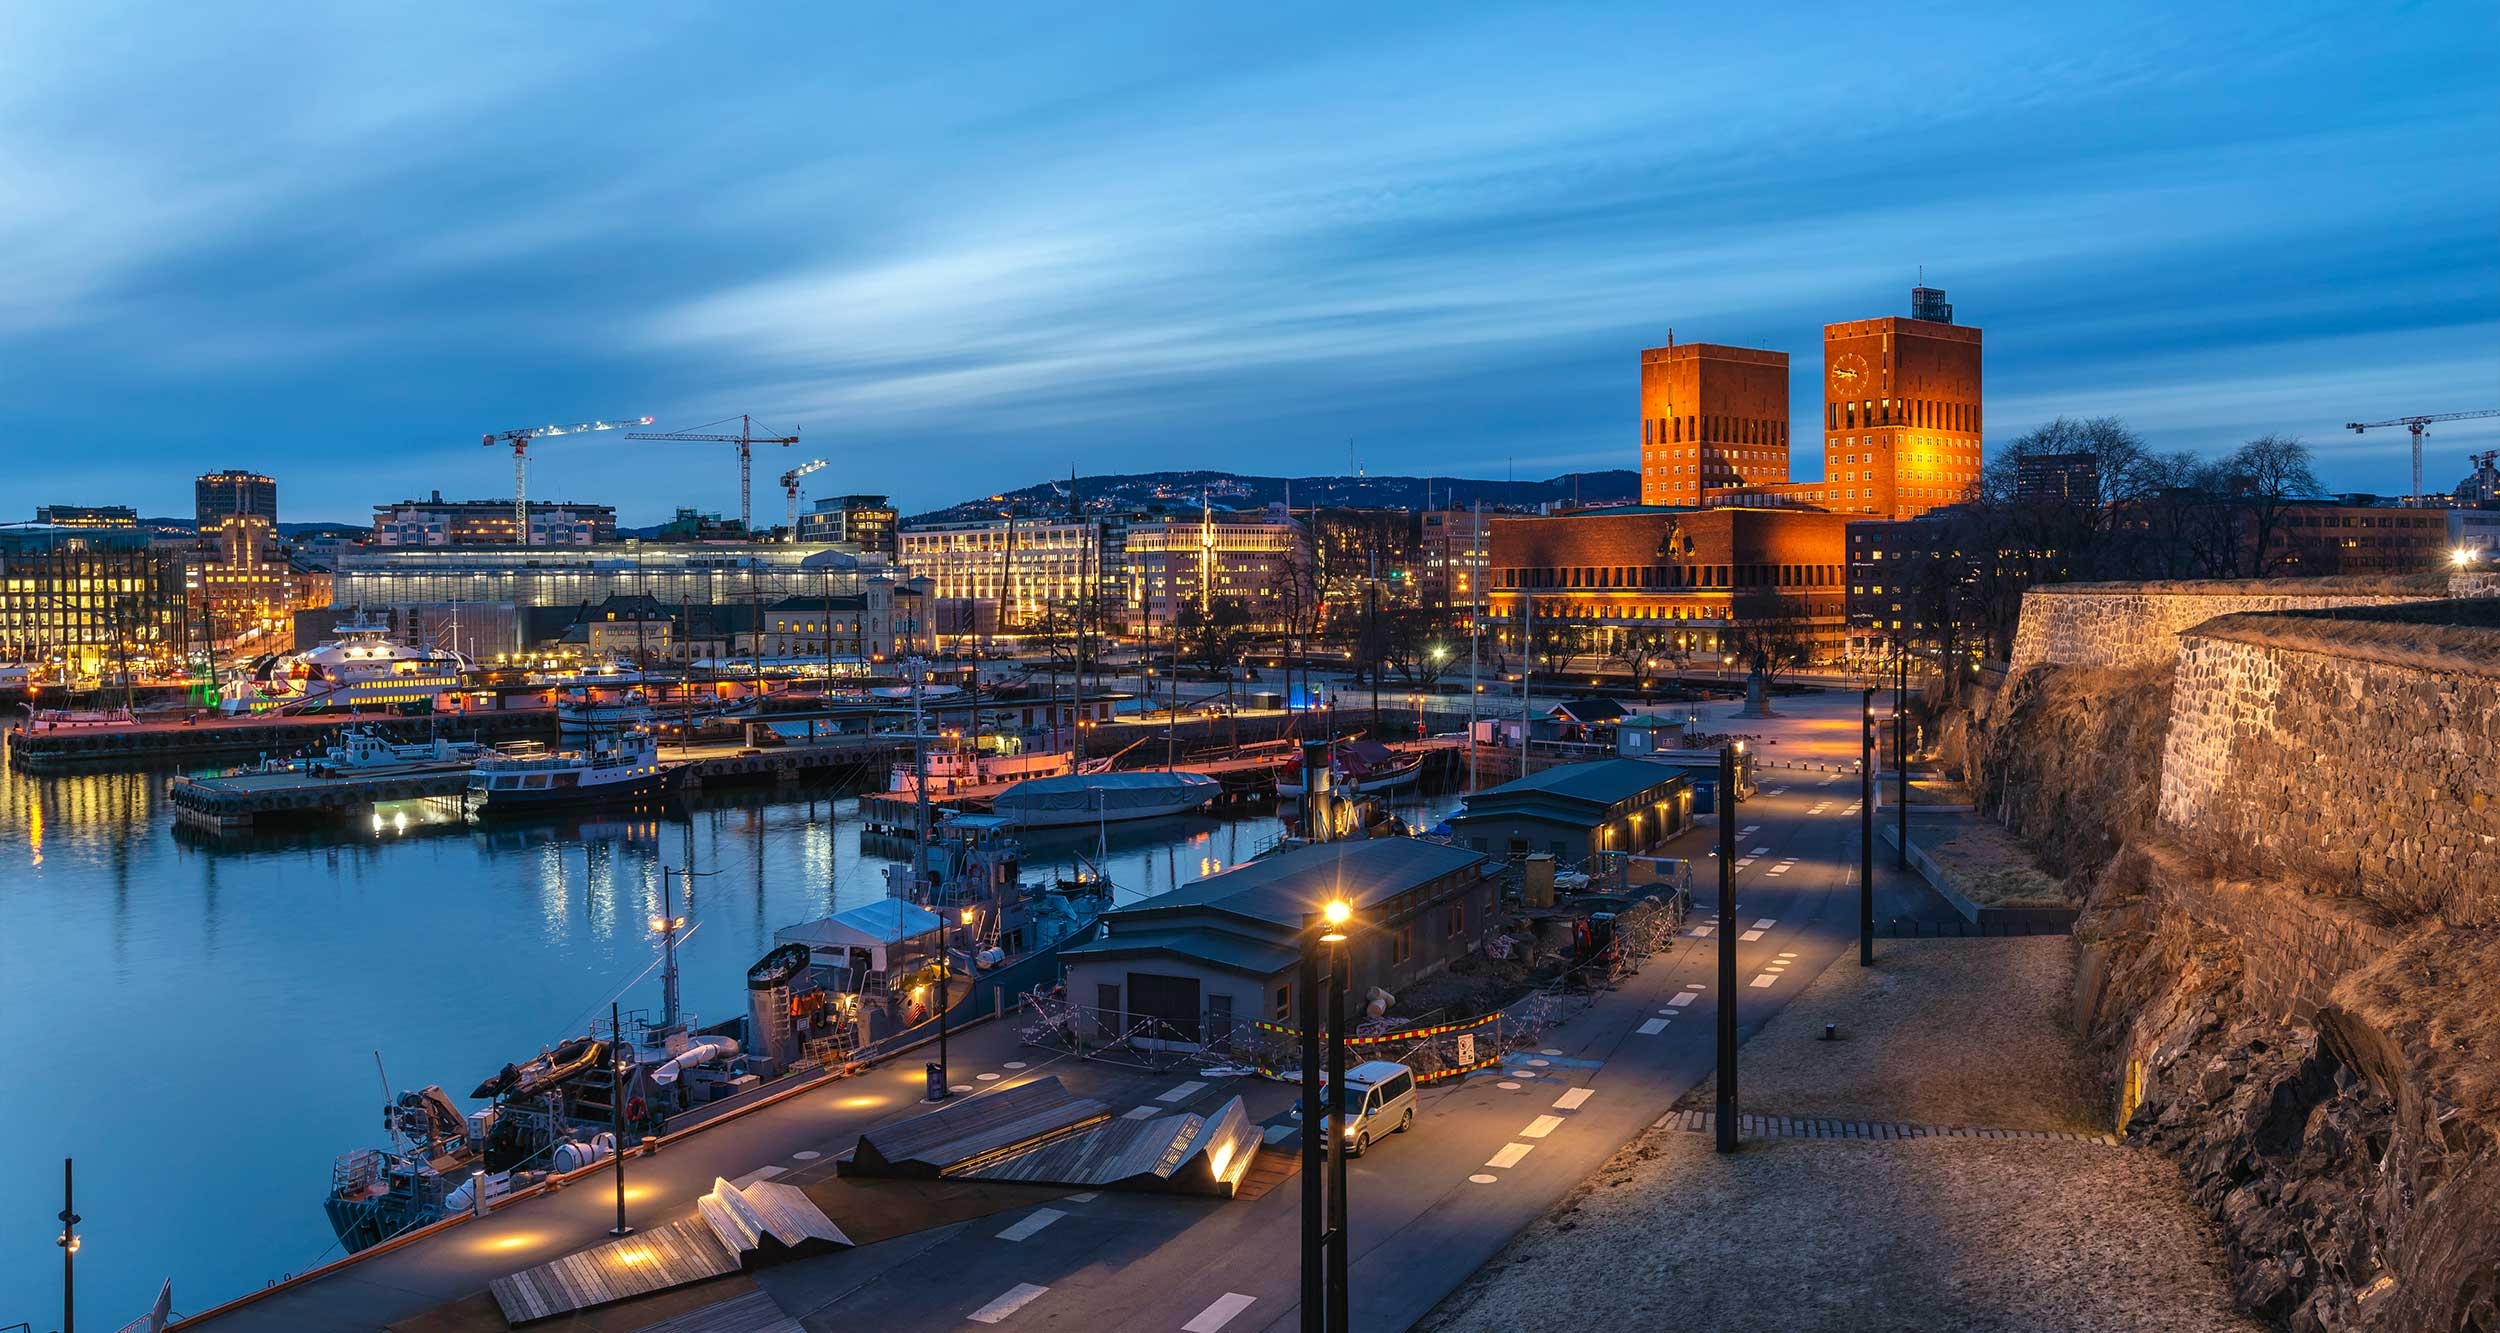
(746, 439)
(520, 442)
(2419, 426)
(790, 485)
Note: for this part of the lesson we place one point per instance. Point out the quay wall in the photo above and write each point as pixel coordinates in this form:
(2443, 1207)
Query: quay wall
(2123, 624)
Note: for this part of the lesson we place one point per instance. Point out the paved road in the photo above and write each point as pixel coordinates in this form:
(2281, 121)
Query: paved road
(1487, 1155)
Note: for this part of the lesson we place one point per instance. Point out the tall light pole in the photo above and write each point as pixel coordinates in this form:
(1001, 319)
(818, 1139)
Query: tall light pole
(69, 1253)
(1866, 830)
(1727, 949)
(1901, 752)
(616, 1108)
(1325, 1298)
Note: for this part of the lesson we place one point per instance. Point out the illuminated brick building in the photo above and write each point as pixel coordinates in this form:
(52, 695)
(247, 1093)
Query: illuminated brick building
(1901, 420)
(1711, 416)
(1674, 574)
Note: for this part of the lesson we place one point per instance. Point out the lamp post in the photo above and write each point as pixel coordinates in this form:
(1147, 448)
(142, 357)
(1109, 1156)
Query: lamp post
(1325, 1301)
(1866, 830)
(69, 1253)
(1727, 949)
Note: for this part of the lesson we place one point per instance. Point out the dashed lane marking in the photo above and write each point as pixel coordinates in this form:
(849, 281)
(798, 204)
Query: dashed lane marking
(1758, 851)
(1216, 1316)
(759, 1173)
(1765, 923)
(1509, 1156)
(1750, 935)
(1541, 1126)
(1682, 1000)
(1087, 1197)
(1574, 1099)
(1041, 1217)
(1764, 980)
(1653, 1027)
(1693, 985)
(1017, 1297)
(1700, 932)
(1182, 1093)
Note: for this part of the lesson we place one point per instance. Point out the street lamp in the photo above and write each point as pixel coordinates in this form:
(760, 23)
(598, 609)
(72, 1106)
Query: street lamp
(2461, 556)
(1325, 1303)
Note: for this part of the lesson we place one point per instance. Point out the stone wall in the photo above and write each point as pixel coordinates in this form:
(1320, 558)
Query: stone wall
(2360, 757)
(2123, 624)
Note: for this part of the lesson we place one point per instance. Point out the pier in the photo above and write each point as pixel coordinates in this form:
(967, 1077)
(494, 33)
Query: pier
(210, 737)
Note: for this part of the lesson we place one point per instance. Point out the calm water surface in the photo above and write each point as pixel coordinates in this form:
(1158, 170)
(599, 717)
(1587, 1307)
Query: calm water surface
(196, 1020)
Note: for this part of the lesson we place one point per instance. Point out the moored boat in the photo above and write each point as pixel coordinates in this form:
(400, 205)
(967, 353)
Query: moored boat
(1081, 799)
(609, 771)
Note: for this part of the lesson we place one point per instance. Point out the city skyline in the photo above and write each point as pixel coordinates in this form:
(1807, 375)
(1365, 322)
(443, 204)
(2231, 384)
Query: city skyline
(1282, 248)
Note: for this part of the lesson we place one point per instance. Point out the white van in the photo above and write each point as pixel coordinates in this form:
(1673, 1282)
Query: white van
(1379, 1100)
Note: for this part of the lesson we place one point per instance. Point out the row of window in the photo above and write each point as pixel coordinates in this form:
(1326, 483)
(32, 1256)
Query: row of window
(1925, 412)
(1673, 576)
(1714, 428)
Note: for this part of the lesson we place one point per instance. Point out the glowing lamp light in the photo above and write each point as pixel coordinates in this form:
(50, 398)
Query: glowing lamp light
(967, 915)
(2461, 556)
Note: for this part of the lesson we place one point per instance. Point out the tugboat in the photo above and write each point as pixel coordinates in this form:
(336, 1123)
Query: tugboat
(526, 777)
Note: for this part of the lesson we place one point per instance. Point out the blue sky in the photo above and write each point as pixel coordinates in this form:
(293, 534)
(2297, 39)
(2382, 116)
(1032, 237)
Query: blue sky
(964, 247)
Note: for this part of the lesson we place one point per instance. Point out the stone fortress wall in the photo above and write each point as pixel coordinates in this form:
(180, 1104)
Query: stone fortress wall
(2123, 624)
(2361, 756)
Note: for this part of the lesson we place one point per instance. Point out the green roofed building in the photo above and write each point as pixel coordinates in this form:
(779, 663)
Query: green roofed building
(1575, 811)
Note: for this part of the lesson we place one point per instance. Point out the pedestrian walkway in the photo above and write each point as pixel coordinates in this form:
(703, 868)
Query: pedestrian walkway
(1800, 1127)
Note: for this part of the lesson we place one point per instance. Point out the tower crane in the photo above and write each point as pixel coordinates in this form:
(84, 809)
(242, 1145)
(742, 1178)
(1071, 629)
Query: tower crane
(520, 442)
(746, 439)
(2418, 425)
(790, 485)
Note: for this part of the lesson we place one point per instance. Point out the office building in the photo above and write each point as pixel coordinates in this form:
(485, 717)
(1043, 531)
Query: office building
(869, 522)
(1910, 585)
(2058, 478)
(82, 603)
(1004, 575)
(1259, 562)
(234, 491)
(440, 522)
(1455, 552)
(480, 600)
(87, 516)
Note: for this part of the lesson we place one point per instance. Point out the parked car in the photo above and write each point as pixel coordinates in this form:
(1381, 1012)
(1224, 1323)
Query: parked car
(1378, 1100)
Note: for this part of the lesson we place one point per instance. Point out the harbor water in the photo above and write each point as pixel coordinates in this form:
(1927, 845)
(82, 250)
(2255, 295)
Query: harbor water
(196, 1020)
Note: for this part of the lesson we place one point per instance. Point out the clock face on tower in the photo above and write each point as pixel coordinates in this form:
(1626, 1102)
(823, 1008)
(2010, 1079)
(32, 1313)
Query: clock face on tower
(1849, 376)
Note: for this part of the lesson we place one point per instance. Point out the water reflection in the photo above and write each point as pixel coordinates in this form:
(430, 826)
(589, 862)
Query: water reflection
(213, 1007)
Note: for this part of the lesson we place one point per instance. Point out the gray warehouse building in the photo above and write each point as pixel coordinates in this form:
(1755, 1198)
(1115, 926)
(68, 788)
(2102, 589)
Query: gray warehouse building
(1575, 811)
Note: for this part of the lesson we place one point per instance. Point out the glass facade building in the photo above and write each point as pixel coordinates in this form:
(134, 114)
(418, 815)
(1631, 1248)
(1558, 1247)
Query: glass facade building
(86, 601)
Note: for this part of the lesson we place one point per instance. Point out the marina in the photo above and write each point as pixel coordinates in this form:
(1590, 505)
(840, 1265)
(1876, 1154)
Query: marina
(448, 946)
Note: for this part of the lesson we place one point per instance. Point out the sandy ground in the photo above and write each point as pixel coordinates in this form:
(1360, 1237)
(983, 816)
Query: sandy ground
(1928, 1234)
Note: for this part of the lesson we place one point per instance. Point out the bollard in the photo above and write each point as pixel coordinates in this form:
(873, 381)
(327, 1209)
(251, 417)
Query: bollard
(1831, 1032)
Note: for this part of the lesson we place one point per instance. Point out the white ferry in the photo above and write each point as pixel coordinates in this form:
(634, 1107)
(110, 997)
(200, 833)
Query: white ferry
(364, 667)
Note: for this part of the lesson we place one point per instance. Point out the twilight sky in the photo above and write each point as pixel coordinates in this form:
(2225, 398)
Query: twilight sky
(967, 246)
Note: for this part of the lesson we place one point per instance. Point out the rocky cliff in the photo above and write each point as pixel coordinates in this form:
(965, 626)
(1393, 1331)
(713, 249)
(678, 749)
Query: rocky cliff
(2290, 971)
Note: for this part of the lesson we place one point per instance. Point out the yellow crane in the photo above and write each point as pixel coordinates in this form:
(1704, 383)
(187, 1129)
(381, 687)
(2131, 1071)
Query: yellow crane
(746, 439)
(790, 485)
(519, 440)
(2419, 426)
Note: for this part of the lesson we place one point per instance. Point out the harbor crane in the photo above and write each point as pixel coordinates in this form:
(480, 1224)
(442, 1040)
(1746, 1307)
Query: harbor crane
(746, 439)
(520, 442)
(2419, 426)
(790, 485)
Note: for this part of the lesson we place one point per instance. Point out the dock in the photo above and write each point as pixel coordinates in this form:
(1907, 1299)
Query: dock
(178, 740)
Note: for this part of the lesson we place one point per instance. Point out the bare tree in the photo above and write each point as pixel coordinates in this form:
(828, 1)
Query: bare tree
(2269, 475)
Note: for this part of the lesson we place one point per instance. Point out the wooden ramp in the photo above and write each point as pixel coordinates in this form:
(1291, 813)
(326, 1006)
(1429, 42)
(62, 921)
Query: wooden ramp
(731, 1226)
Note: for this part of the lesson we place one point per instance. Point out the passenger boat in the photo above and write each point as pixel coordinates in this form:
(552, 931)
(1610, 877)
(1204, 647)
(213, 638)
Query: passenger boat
(75, 719)
(1081, 799)
(365, 752)
(1360, 767)
(363, 667)
(976, 774)
(609, 771)
(578, 710)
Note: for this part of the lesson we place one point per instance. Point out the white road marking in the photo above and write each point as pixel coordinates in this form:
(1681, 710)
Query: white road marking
(1764, 980)
(1219, 1314)
(1507, 1087)
(1765, 923)
(1700, 931)
(1015, 1064)
(1777, 870)
(1041, 1217)
(1017, 1297)
(1750, 935)
(1692, 985)
(1482, 1179)
(1681, 1000)
(1758, 851)
(1087, 1197)
(989, 1078)
(1520, 1073)
(1541, 1126)
(1550, 1050)
(1749, 828)
(805, 1155)
(1541, 1064)
(1509, 1155)
(1574, 1099)
(1653, 1027)
(1182, 1093)
(759, 1173)
(1142, 1113)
